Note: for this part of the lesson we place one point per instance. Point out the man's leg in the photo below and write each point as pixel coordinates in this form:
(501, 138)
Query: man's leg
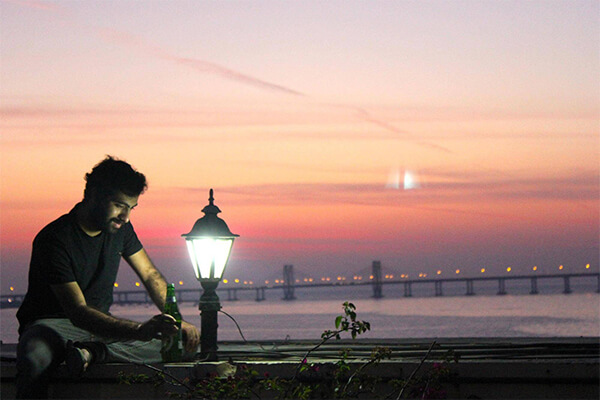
(134, 351)
(40, 350)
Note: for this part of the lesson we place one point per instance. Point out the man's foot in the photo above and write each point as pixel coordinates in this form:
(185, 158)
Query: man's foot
(77, 359)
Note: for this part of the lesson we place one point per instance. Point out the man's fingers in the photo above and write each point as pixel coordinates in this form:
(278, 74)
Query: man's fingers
(166, 323)
(191, 337)
(164, 318)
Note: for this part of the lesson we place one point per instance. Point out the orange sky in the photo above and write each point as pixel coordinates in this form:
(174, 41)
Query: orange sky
(301, 116)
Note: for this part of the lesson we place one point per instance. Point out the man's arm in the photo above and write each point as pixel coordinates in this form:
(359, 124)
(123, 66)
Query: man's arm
(153, 280)
(156, 285)
(85, 317)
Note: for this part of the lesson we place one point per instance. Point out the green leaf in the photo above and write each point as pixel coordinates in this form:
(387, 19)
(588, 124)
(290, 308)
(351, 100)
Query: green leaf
(338, 320)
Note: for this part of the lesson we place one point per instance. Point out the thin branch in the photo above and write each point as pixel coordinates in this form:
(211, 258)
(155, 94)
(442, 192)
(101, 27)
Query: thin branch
(161, 371)
(415, 371)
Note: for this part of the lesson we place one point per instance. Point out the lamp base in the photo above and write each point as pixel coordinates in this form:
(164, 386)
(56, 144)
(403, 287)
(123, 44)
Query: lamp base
(208, 333)
(209, 307)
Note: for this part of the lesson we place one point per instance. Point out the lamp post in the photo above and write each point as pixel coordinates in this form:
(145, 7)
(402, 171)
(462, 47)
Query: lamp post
(209, 244)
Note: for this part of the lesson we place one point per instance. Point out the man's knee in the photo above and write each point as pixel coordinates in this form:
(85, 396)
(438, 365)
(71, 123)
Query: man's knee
(39, 348)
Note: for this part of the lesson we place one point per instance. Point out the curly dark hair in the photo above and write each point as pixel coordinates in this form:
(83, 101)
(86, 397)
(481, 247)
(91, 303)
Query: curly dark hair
(111, 176)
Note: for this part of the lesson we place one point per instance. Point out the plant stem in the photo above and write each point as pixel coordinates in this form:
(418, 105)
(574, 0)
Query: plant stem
(415, 371)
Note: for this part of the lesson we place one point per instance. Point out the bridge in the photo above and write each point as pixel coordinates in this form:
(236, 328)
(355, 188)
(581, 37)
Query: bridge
(288, 285)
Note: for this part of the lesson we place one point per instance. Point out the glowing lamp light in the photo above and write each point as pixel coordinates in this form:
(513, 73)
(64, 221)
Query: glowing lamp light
(209, 244)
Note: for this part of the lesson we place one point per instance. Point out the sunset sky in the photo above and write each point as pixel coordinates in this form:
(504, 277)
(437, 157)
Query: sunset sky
(429, 135)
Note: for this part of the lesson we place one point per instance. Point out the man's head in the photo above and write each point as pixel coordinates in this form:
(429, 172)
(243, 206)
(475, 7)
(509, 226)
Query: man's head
(111, 192)
(111, 176)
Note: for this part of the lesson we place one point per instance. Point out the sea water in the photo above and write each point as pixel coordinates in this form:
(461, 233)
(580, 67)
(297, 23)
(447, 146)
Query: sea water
(393, 316)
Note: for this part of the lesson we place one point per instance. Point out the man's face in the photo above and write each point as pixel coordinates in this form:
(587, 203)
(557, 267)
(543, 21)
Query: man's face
(113, 212)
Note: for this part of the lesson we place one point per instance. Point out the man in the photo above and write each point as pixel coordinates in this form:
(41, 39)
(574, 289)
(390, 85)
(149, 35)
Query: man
(74, 263)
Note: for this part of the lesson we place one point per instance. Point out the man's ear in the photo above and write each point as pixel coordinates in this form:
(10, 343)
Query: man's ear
(89, 195)
(95, 197)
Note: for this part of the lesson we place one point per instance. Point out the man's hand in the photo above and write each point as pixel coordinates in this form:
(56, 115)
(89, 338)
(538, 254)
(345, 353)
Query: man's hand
(191, 337)
(158, 326)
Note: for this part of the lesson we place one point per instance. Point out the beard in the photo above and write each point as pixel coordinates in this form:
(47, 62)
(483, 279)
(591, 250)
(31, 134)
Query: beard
(103, 222)
(113, 225)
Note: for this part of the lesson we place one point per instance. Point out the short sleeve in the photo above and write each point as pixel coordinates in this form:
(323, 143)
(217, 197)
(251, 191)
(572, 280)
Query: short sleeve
(131, 243)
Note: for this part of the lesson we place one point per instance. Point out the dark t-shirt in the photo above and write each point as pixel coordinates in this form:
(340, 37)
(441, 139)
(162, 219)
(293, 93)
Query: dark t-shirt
(63, 252)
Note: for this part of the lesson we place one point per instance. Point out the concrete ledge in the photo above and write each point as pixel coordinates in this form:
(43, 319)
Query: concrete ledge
(479, 368)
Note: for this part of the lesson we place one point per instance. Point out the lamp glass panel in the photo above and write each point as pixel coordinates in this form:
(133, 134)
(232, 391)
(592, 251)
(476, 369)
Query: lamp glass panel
(208, 252)
(222, 247)
(192, 252)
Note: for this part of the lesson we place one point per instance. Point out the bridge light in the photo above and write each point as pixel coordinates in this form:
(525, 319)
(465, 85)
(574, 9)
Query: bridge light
(482, 270)
(458, 271)
(180, 283)
(116, 284)
(391, 276)
(12, 289)
(250, 282)
(266, 282)
(561, 267)
(137, 284)
(535, 267)
(310, 279)
(439, 272)
(225, 281)
(587, 266)
(508, 269)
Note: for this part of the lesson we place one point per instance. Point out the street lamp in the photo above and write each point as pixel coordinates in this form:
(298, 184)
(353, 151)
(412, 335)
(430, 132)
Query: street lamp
(209, 244)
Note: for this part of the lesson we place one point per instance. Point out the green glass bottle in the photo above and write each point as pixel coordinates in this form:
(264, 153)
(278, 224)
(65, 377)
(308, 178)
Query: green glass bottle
(172, 347)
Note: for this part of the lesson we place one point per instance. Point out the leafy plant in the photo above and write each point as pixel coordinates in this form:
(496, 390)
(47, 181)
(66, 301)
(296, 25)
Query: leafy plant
(329, 380)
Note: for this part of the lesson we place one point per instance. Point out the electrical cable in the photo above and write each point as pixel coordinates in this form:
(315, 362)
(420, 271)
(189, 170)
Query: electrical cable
(238, 327)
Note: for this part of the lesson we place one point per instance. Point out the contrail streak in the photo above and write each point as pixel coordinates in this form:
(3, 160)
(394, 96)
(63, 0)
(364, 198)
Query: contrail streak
(130, 40)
